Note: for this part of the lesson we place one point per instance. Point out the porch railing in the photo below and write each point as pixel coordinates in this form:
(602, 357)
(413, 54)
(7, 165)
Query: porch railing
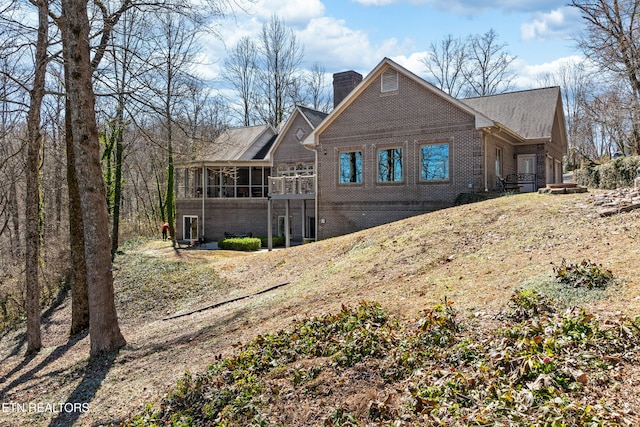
(283, 185)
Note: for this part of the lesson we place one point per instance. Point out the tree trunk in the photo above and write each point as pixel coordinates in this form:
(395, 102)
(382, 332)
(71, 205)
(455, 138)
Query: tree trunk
(170, 195)
(32, 208)
(78, 272)
(117, 185)
(14, 211)
(104, 330)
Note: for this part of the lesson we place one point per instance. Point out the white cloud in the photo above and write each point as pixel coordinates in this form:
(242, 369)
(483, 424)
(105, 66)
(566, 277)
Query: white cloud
(291, 11)
(557, 24)
(471, 7)
(413, 62)
(530, 76)
(338, 47)
(331, 43)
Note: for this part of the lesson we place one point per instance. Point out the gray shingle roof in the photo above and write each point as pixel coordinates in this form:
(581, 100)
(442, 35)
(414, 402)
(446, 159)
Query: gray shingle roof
(530, 113)
(315, 117)
(245, 143)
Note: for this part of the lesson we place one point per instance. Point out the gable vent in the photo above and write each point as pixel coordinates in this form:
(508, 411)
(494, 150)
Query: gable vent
(389, 81)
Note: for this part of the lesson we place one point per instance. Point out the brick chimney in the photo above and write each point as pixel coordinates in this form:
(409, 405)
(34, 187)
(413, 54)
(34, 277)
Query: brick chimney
(343, 84)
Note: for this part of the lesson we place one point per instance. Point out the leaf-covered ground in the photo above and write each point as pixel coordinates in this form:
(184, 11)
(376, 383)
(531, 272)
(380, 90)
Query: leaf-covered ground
(536, 366)
(475, 255)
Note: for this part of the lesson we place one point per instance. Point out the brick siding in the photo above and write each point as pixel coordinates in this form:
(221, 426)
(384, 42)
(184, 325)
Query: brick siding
(407, 118)
(240, 216)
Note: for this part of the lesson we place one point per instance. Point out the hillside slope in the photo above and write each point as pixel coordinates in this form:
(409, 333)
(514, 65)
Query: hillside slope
(474, 255)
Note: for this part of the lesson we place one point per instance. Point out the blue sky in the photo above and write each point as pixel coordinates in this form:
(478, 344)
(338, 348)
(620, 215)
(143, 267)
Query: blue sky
(357, 34)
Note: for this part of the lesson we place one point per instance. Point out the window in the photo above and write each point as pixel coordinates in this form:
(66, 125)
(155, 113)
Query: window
(390, 165)
(435, 162)
(498, 161)
(351, 167)
(389, 81)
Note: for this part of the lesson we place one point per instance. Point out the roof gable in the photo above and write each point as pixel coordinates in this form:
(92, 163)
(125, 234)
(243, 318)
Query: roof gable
(384, 66)
(312, 117)
(529, 113)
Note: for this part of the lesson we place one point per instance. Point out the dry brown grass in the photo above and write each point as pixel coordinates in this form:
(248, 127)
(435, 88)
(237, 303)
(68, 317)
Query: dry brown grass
(475, 255)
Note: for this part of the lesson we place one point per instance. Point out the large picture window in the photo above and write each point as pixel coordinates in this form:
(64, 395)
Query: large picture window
(435, 162)
(351, 167)
(390, 165)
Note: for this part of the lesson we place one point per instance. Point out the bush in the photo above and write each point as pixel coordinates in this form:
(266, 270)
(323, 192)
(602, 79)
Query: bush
(275, 240)
(586, 274)
(240, 244)
(615, 174)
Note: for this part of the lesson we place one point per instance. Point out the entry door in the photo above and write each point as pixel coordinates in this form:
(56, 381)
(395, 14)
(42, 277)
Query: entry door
(281, 229)
(527, 164)
(190, 228)
(311, 227)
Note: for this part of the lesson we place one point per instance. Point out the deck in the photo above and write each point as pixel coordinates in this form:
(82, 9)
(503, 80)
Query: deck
(292, 187)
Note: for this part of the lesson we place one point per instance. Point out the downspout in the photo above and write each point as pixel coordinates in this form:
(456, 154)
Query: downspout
(204, 192)
(315, 201)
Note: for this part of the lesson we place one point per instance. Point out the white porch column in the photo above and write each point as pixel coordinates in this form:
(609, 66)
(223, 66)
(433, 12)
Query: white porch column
(269, 225)
(304, 219)
(287, 234)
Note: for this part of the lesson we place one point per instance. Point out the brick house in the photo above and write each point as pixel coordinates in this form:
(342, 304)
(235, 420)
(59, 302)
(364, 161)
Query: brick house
(394, 146)
(228, 186)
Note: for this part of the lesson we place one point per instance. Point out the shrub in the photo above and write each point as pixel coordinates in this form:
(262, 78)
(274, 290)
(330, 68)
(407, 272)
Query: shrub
(240, 244)
(583, 275)
(275, 240)
(617, 173)
(528, 303)
(588, 176)
(439, 325)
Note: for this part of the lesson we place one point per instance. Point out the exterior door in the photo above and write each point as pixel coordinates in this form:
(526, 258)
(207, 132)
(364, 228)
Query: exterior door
(527, 165)
(190, 228)
(281, 226)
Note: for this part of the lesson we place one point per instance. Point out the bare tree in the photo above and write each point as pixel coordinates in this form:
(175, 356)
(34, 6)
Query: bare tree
(611, 40)
(610, 121)
(32, 216)
(488, 69)
(173, 64)
(280, 58)
(12, 174)
(240, 71)
(104, 330)
(126, 60)
(445, 63)
(29, 46)
(578, 90)
(12, 101)
(318, 90)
